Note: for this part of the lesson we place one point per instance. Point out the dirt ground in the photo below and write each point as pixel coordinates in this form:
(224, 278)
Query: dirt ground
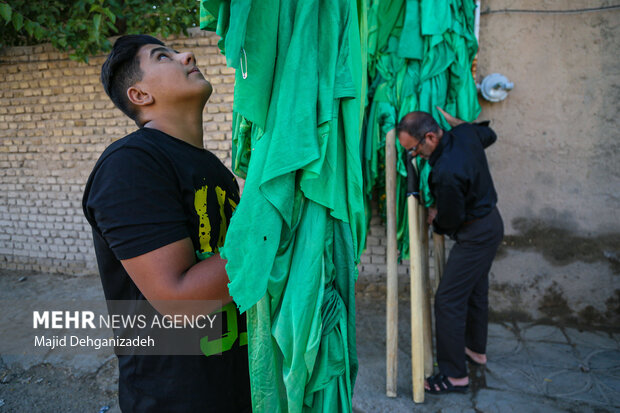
(46, 383)
(49, 388)
(79, 383)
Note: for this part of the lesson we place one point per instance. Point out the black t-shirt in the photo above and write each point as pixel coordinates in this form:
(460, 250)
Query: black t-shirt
(146, 191)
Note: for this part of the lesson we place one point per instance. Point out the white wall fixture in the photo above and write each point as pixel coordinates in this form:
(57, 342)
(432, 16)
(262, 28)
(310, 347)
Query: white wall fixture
(495, 87)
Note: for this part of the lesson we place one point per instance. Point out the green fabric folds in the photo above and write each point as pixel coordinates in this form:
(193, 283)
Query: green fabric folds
(420, 54)
(297, 234)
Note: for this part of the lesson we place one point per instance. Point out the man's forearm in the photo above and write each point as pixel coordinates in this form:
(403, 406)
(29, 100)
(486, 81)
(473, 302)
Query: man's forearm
(205, 280)
(171, 273)
(452, 121)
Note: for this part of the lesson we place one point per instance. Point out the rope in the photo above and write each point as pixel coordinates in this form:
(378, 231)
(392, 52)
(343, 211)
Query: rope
(533, 11)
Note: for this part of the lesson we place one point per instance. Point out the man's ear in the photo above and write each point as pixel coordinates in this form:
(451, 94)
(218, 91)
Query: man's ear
(139, 97)
(431, 136)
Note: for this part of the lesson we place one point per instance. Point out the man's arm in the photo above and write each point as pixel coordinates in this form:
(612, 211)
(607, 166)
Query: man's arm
(450, 209)
(452, 121)
(171, 273)
(485, 134)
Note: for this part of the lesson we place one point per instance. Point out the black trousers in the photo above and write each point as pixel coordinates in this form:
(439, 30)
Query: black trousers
(462, 298)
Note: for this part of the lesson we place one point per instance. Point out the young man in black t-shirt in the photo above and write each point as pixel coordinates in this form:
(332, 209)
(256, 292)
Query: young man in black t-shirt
(159, 205)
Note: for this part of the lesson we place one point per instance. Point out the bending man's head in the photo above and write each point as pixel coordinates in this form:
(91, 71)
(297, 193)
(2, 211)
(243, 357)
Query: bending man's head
(419, 133)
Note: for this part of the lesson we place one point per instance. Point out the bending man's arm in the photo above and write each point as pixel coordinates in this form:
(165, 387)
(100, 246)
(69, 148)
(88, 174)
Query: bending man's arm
(452, 121)
(485, 134)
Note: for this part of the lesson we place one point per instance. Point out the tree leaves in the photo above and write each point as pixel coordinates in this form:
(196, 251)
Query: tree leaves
(84, 26)
(6, 12)
(18, 21)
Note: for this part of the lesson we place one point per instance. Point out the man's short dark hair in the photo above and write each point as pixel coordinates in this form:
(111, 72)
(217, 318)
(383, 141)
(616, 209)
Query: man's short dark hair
(122, 69)
(417, 124)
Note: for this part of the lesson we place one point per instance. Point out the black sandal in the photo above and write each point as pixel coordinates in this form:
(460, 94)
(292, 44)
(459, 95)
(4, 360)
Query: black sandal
(442, 382)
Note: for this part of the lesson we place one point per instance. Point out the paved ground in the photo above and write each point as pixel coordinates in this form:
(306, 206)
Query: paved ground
(532, 367)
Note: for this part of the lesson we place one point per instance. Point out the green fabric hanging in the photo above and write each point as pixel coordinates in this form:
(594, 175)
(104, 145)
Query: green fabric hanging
(419, 56)
(295, 239)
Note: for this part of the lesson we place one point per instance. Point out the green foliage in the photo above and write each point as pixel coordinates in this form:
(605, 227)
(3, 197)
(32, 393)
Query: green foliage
(84, 26)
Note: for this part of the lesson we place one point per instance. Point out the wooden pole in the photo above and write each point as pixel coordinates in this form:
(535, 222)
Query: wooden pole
(417, 301)
(426, 308)
(392, 272)
(474, 66)
(439, 248)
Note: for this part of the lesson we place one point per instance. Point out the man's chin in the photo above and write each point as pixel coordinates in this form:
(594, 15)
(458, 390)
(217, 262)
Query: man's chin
(207, 90)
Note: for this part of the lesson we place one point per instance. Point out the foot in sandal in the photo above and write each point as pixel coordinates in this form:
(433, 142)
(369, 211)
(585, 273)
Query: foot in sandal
(440, 383)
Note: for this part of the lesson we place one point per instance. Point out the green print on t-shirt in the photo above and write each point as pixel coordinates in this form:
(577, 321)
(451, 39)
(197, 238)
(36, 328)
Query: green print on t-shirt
(225, 343)
(204, 234)
(231, 334)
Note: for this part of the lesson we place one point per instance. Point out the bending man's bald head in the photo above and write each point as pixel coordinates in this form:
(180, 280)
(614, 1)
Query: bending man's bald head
(417, 124)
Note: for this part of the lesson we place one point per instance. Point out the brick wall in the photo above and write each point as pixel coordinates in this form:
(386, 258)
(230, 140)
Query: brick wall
(56, 121)
(372, 267)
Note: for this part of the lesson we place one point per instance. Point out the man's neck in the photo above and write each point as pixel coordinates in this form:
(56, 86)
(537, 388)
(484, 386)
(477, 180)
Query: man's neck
(432, 159)
(186, 127)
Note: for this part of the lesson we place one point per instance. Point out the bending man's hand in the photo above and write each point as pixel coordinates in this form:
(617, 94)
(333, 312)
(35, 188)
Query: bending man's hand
(432, 213)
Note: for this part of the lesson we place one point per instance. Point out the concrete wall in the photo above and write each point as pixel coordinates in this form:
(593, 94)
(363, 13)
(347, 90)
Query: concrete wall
(555, 164)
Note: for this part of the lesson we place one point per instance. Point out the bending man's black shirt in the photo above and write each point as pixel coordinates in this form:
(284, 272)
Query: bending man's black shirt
(460, 180)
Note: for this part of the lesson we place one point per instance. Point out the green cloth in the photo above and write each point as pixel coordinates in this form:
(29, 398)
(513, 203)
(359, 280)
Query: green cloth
(420, 54)
(295, 239)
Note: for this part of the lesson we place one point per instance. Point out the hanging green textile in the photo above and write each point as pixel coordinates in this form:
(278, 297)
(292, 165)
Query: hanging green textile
(420, 54)
(295, 239)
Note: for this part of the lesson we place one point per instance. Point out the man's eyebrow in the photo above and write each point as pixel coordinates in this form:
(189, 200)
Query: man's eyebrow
(161, 49)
